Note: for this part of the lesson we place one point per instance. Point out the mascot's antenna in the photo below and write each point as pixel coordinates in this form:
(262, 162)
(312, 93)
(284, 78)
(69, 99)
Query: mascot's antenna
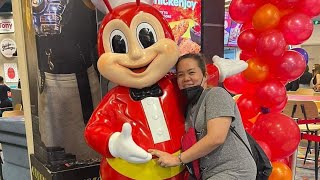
(108, 5)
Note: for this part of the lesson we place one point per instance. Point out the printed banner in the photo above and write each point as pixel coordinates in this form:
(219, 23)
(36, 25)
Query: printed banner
(184, 17)
(6, 26)
(227, 26)
(231, 31)
(234, 33)
(10, 72)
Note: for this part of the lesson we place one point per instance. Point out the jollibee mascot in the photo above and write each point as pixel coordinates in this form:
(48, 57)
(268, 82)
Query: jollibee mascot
(145, 111)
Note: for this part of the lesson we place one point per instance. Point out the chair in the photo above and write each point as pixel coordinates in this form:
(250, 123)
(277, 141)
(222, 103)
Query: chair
(305, 110)
(12, 113)
(305, 91)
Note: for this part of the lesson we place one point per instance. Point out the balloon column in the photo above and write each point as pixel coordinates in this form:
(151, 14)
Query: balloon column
(269, 26)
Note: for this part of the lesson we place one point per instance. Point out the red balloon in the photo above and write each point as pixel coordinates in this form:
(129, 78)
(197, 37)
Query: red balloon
(275, 2)
(212, 79)
(284, 12)
(291, 158)
(270, 93)
(248, 107)
(247, 125)
(291, 66)
(265, 148)
(309, 7)
(242, 11)
(296, 28)
(278, 108)
(235, 84)
(245, 26)
(284, 161)
(247, 40)
(251, 88)
(270, 61)
(284, 82)
(245, 55)
(285, 3)
(271, 44)
(280, 132)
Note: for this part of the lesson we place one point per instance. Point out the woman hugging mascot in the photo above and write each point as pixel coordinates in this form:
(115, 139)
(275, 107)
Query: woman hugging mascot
(145, 111)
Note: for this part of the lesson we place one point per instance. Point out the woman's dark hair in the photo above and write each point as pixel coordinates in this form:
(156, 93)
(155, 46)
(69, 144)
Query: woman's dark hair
(1, 79)
(306, 77)
(201, 59)
(307, 69)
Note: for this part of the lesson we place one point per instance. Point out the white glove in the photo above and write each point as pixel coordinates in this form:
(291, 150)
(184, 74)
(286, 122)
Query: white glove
(121, 145)
(228, 67)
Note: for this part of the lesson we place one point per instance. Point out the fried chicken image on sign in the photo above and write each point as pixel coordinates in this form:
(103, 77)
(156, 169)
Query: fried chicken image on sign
(188, 46)
(180, 29)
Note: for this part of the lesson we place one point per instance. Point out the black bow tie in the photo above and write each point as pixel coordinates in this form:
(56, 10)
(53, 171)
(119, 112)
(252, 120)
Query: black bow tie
(152, 91)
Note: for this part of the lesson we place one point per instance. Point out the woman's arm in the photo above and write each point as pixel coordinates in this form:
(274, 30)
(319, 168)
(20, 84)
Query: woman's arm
(217, 130)
(318, 78)
(220, 109)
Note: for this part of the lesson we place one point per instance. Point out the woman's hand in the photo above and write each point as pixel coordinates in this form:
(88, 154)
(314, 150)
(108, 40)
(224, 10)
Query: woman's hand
(165, 159)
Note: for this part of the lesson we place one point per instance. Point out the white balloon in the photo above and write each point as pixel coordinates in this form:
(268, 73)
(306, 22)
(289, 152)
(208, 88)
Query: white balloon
(99, 4)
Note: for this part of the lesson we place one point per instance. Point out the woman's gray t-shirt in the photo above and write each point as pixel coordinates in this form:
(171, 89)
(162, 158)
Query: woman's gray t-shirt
(231, 160)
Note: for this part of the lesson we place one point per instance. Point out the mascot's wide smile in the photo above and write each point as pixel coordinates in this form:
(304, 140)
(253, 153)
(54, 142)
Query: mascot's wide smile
(141, 68)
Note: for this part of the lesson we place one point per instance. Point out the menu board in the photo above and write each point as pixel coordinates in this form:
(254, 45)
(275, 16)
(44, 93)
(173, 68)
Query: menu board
(184, 17)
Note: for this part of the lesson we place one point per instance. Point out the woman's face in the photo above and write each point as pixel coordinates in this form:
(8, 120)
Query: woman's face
(189, 74)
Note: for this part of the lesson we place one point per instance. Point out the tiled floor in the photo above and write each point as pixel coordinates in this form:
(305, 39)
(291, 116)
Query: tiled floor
(304, 174)
(305, 171)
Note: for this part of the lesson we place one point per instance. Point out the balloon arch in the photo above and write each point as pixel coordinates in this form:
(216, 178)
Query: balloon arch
(269, 27)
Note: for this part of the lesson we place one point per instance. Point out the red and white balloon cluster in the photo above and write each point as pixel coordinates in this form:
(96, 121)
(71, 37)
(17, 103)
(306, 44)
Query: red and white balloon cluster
(269, 26)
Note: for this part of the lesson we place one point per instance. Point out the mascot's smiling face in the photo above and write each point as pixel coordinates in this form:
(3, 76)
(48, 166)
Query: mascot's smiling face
(135, 46)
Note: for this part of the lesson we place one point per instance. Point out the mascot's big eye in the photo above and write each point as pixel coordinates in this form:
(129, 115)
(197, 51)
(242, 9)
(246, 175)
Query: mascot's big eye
(146, 35)
(118, 42)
